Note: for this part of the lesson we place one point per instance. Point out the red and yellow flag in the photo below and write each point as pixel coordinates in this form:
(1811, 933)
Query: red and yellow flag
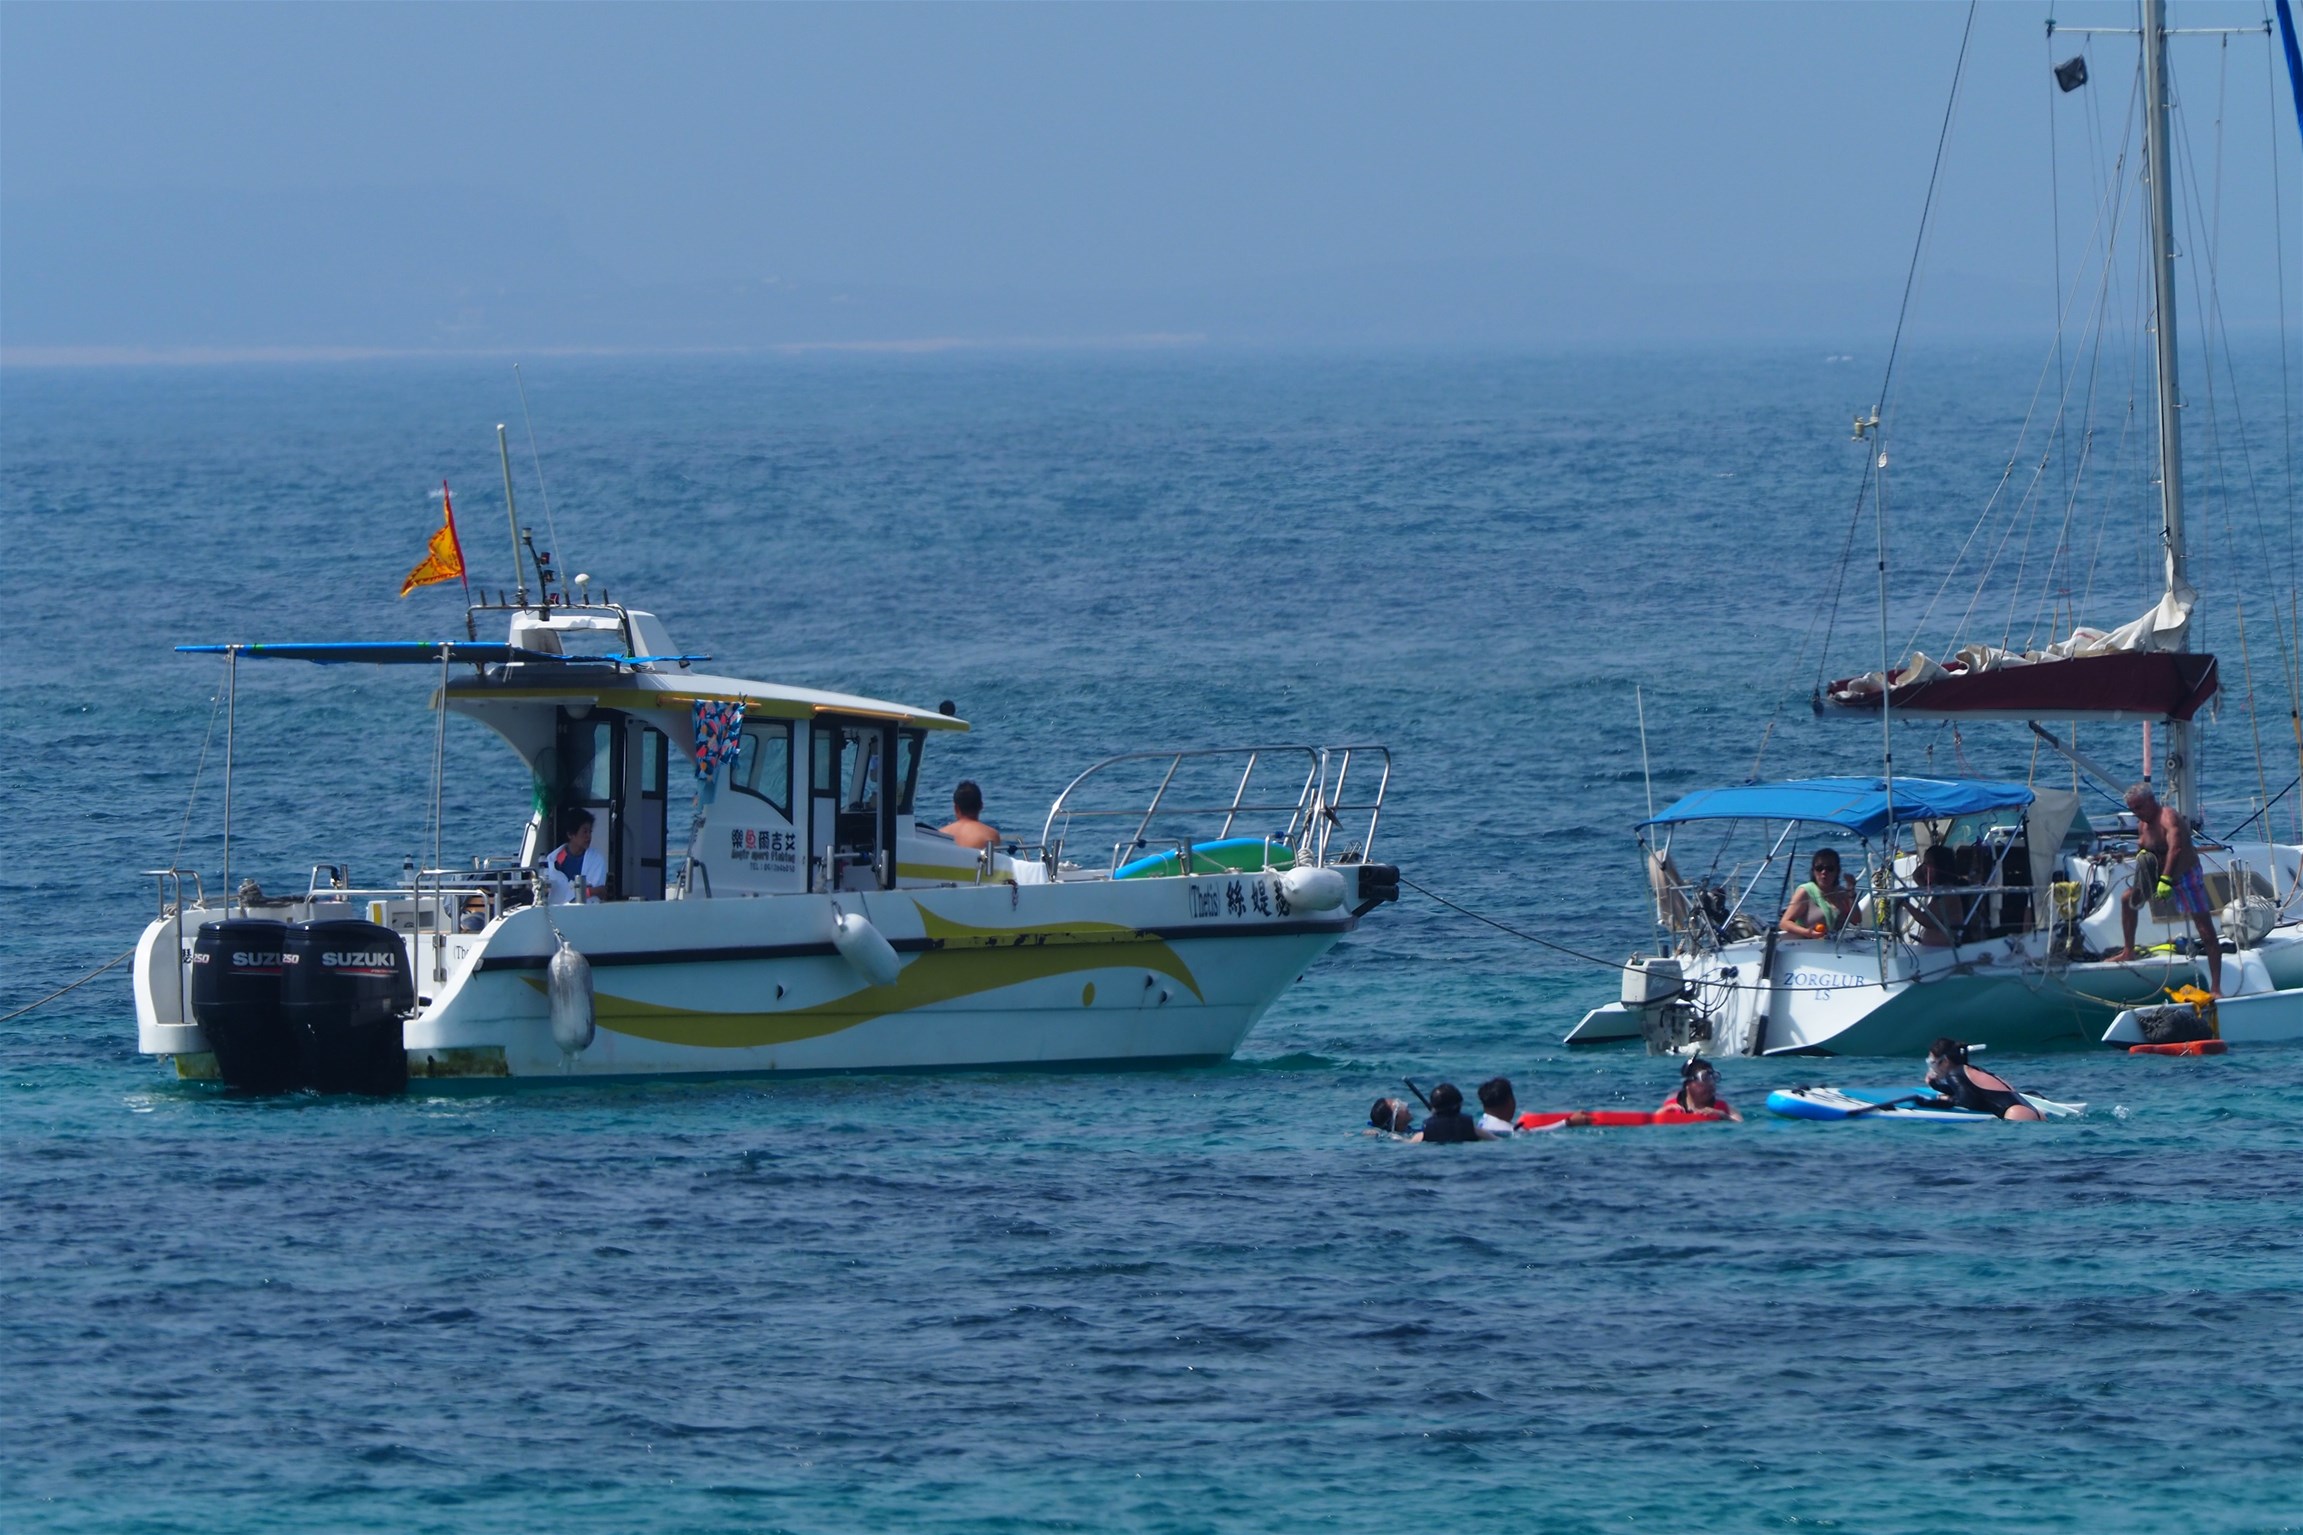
(444, 556)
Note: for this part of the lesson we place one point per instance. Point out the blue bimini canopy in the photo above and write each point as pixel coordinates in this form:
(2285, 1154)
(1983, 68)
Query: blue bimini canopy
(1858, 805)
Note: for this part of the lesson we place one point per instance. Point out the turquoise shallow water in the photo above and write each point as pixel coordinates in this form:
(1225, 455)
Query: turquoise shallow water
(1165, 1301)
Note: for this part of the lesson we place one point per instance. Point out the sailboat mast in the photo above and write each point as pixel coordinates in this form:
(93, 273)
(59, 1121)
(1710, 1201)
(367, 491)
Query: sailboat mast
(2158, 167)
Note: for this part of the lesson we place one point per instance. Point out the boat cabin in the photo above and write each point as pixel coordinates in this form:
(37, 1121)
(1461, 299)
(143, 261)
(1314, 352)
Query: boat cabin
(798, 790)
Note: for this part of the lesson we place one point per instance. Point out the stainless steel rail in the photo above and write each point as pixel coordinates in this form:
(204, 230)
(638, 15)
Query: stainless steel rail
(1310, 785)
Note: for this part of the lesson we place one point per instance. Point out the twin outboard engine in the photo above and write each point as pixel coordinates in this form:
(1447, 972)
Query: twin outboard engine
(236, 1002)
(312, 1004)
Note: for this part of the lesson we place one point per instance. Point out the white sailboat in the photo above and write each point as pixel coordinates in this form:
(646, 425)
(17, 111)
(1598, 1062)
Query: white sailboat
(2004, 936)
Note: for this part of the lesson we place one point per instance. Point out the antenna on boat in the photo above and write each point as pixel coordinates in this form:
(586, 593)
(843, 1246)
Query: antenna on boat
(551, 528)
(512, 513)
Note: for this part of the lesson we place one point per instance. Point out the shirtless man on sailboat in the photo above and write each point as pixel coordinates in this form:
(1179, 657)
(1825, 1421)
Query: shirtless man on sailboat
(2170, 869)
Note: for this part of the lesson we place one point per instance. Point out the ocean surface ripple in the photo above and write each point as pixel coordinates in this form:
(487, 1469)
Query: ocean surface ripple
(1161, 1301)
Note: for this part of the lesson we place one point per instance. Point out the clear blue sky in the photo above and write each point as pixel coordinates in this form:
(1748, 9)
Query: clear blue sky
(480, 175)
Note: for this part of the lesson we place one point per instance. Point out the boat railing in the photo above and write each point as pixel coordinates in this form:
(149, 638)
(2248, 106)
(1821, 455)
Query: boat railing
(1710, 912)
(169, 887)
(1331, 798)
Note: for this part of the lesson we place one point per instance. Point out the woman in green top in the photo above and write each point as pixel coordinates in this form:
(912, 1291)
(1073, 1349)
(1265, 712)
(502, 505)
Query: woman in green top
(1823, 905)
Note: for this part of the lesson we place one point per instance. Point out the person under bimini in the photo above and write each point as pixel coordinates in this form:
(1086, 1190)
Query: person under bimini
(1937, 913)
(576, 872)
(1971, 1088)
(1698, 1096)
(1447, 1124)
(966, 826)
(2167, 866)
(1824, 904)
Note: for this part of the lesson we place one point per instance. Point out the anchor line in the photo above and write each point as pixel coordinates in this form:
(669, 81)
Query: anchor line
(2023, 970)
(84, 980)
(1611, 964)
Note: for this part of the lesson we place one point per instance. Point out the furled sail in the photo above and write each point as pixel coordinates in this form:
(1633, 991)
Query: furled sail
(2138, 671)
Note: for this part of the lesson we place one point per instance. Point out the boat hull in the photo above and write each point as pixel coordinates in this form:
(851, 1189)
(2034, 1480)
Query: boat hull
(2269, 1018)
(1829, 999)
(1103, 973)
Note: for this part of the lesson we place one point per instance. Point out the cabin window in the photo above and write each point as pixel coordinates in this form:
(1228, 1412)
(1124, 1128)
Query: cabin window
(590, 760)
(652, 751)
(908, 744)
(863, 768)
(762, 765)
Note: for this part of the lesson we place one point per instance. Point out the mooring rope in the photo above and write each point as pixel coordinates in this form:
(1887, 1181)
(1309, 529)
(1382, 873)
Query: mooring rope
(84, 980)
(1505, 927)
(1619, 966)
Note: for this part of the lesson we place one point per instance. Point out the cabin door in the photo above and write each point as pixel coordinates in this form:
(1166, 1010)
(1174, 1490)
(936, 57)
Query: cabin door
(852, 806)
(640, 855)
(590, 777)
(614, 766)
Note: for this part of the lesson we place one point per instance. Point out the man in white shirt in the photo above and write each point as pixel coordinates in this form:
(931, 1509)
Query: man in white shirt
(576, 871)
(1499, 1109)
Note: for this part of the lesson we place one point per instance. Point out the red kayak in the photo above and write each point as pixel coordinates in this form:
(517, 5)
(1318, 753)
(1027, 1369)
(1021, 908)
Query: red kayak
(1609, 1118)
(2187, 1047)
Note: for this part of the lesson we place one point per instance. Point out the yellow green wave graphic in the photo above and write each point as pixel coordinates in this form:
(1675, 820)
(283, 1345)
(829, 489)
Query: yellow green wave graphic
(967, 961)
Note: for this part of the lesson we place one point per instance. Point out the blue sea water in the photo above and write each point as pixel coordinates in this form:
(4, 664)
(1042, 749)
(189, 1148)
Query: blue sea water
(1194, 1300)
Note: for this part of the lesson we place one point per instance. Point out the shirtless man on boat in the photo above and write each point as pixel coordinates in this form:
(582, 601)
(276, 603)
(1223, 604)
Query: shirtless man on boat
(966, 826)
(2167, 865)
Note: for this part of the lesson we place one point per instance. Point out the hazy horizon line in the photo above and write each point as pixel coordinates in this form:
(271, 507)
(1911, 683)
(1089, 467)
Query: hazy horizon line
(1836, 350)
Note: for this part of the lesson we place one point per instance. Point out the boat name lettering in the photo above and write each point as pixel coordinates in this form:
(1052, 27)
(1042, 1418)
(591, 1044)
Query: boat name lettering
(1237, 898)
(775, 851)
(1822, 980)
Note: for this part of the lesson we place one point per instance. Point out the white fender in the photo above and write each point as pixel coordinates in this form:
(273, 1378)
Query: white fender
(568, 982)
(1310, 889)
(863, 947)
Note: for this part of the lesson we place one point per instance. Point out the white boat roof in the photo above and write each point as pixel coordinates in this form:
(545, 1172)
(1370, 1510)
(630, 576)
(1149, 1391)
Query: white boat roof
(622, 689)
(531, 667)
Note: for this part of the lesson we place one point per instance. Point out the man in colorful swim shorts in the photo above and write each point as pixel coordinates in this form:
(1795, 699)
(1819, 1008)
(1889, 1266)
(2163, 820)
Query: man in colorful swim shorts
(2167, 865)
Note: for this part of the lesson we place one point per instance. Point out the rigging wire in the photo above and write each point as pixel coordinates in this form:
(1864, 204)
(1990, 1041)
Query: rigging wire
(192, 800)
(2055, 210)
(2214, 327)
(2286, 396)
(1926, 209)
(1876, 452)
(1831, 621)
(2107, 213)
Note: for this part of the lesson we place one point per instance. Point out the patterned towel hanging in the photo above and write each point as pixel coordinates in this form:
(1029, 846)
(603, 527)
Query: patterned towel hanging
(719, 730)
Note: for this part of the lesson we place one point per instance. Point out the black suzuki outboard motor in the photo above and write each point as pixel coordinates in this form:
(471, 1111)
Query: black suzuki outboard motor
(344, 988)
(236, 1002)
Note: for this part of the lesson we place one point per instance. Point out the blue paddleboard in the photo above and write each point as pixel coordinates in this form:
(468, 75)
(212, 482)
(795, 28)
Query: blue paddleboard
(1863, 1103)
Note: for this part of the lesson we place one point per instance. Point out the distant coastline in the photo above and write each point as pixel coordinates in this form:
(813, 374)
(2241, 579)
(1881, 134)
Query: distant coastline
(213, 356)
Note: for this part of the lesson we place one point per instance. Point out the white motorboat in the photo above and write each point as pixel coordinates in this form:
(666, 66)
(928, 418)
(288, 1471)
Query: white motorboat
(811, 924)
